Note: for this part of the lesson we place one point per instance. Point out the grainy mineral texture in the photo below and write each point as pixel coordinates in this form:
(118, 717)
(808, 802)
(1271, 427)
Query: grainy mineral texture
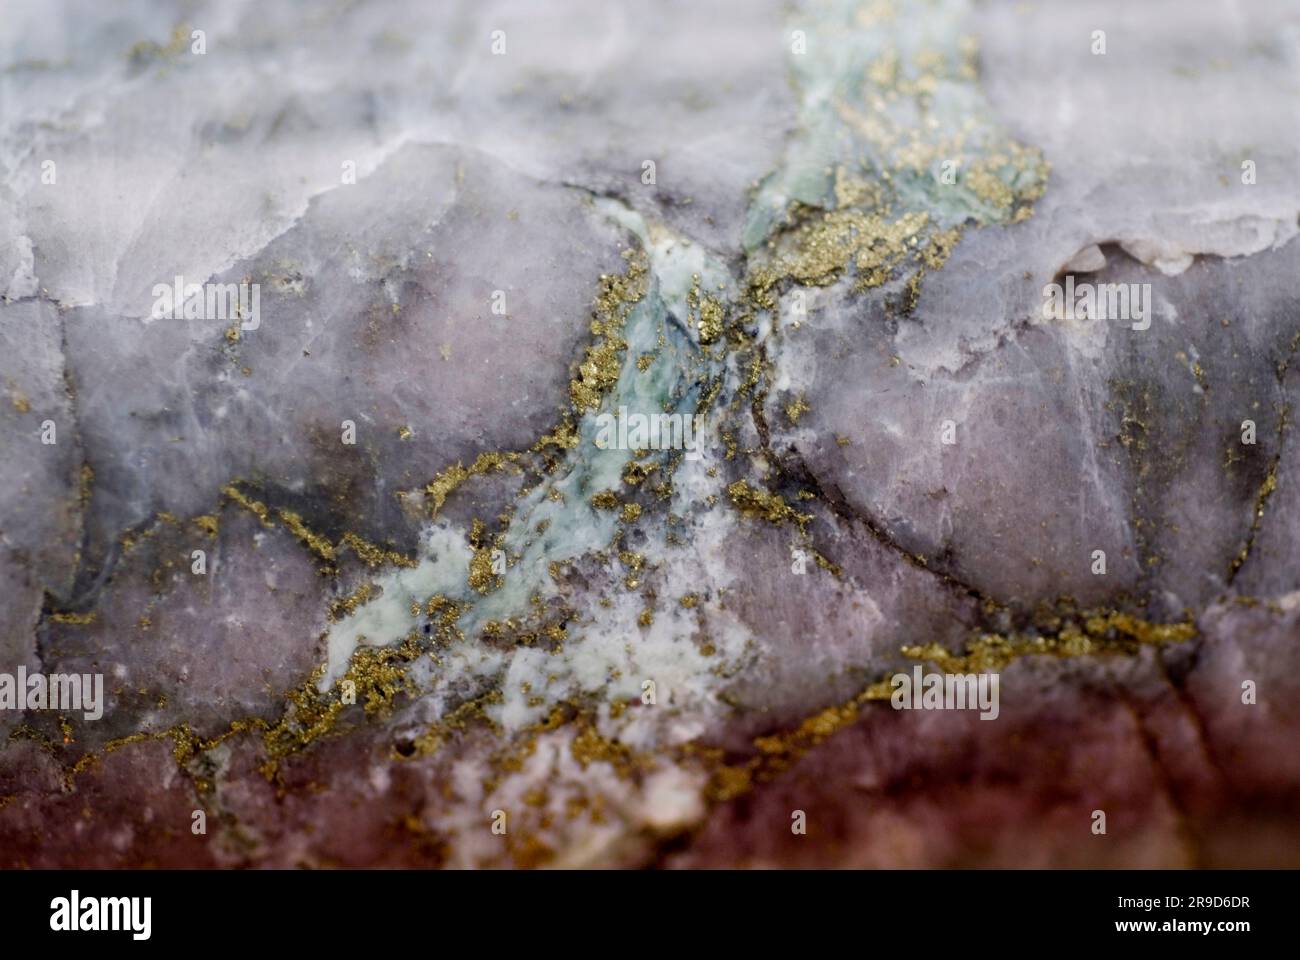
(490, 434)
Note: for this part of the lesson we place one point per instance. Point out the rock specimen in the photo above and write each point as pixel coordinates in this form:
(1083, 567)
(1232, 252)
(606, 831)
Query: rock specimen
(386, 565)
